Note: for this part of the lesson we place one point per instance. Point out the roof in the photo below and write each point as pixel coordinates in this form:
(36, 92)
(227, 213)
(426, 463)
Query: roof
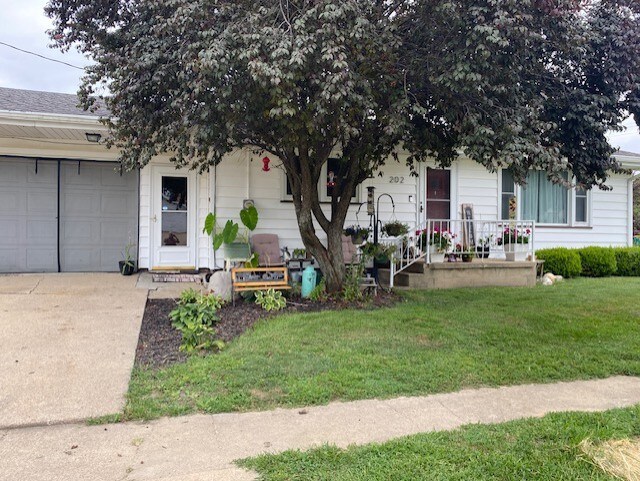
(625, 153)
(33, 101)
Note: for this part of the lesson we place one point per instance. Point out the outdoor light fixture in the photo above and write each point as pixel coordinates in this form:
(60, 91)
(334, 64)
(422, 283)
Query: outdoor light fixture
(93, 137)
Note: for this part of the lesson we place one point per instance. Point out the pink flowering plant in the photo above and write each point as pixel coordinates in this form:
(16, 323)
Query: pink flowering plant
(441, 238)
(512, 235)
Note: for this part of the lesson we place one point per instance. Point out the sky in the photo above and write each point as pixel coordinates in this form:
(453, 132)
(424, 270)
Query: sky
(24, 25)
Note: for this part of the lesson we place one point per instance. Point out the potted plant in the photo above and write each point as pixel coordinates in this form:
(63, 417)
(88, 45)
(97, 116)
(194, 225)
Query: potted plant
(467, 256)
(299, 253)
(380, 252)
(483, 247)
(395, 229)
(358, 234)
(226, 237)
(128, 265)
(439, 242)
(515, 243)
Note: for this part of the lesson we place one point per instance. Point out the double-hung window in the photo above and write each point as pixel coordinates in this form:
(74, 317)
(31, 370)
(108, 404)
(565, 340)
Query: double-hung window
(542, 201)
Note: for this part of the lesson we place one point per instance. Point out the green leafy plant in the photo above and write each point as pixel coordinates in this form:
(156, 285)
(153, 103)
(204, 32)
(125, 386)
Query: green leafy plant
(299, 253)
(351, 291)
(381, 252)
(561, 261)
(319, 293)
(271, 300)
(231, 230)
(395, 229)
(627, 261)
(598, 261)
(195, 317)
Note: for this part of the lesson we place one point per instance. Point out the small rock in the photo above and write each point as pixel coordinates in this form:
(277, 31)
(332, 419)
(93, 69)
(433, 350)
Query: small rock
(303, 411)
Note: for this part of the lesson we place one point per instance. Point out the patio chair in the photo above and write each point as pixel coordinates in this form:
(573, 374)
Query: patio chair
(267, 246)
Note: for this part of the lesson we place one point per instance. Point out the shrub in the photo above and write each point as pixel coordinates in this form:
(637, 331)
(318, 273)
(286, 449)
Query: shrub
(271, 300)
(598, 261)
(351, 291)
(195, 318)
(561, 261)
(628, 261)
(319, 293)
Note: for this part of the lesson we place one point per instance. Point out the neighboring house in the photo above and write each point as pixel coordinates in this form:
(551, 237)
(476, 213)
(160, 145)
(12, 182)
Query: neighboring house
(66, 206)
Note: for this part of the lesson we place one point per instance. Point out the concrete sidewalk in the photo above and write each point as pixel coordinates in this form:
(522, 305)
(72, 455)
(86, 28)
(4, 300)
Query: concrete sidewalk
(203, 447)
(68, 344)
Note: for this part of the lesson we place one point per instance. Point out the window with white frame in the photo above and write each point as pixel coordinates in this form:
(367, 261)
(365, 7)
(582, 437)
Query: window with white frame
(543, 201)
(326, 184)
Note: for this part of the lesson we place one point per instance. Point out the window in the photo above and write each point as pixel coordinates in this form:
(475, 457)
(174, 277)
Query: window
(328, 181)
(508, 207)
(438, 193)
(542, 201)
(581, 206)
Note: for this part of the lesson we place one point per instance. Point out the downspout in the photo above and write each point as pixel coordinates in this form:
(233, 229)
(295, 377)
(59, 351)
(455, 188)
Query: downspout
(630, 182)
(214, 210)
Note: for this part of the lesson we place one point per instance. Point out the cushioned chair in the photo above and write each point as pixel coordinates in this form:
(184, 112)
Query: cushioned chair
(267, 246)
(349, 250)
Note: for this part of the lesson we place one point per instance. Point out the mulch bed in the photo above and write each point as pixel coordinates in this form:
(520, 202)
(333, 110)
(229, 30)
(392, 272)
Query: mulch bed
(159, 343)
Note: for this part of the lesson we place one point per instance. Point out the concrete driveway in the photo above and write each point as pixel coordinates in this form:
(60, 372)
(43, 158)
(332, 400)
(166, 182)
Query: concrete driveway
(67, 345)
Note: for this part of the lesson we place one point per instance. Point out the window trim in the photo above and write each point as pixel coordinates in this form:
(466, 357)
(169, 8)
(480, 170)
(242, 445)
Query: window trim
(571, 207)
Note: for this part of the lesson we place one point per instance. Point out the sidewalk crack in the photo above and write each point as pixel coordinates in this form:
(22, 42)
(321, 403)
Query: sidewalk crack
(35, 287)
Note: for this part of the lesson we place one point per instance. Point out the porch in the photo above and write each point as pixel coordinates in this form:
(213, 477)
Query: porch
(452, 253)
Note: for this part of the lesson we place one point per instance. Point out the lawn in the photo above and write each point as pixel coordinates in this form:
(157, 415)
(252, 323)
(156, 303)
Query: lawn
(434, 341)
(543, 449)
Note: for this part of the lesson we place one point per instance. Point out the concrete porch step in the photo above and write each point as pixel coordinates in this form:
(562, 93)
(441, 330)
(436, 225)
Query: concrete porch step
(479, 273)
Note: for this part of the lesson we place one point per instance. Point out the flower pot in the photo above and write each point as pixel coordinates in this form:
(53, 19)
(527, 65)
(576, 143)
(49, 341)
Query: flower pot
(358, 239)
(482, 252)
(436, 257)
(516, 252)
(467, 257)
(127, 268)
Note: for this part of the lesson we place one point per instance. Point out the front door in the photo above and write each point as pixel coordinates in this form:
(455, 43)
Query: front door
(438, 194)
(173, 218)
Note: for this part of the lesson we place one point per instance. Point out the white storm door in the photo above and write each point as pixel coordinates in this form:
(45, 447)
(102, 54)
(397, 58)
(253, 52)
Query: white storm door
(173, 219)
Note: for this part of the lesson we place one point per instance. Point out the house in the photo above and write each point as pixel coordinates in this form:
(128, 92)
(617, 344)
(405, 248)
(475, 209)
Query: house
(65, 204)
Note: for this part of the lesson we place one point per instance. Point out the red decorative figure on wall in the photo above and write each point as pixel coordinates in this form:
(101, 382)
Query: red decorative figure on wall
(266, 167)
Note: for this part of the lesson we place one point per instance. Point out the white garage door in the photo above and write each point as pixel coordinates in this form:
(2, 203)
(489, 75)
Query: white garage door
(98, 216)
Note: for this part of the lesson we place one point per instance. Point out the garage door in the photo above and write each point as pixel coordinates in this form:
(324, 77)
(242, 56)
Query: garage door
(28, 210)
(98, 215)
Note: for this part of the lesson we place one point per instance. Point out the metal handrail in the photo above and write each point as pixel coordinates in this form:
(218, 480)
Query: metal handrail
(496, 238)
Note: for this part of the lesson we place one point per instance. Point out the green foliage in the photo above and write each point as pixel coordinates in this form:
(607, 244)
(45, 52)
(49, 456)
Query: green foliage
(271, 300)
(249, 217)
(351, 291)
(319, 292)
(561, 261)
(195, 318)
(598, 261)
(229, 233)
(395, 229)
(627, 261)
(380, 252)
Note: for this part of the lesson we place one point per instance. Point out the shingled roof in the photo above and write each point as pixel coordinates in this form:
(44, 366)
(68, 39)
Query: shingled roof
(18, 100)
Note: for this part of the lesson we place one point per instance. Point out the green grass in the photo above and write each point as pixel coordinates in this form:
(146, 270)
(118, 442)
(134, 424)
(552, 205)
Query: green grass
(543, 449)
(433, 342)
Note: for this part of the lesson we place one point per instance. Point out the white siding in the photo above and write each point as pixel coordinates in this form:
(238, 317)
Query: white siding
(609, 221)
(240, 176)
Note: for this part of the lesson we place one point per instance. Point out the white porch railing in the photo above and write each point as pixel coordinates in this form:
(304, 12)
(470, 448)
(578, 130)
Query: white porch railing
(503, 239)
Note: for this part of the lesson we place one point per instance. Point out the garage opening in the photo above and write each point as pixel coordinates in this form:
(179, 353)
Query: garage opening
(65, 215)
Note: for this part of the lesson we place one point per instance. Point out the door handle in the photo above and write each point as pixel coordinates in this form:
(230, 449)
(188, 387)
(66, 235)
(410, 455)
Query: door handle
(154, 218)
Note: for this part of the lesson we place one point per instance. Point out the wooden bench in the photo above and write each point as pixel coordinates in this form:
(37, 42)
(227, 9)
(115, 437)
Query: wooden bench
(258, 279)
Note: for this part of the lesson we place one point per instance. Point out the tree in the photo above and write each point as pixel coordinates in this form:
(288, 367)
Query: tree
(521, 83)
